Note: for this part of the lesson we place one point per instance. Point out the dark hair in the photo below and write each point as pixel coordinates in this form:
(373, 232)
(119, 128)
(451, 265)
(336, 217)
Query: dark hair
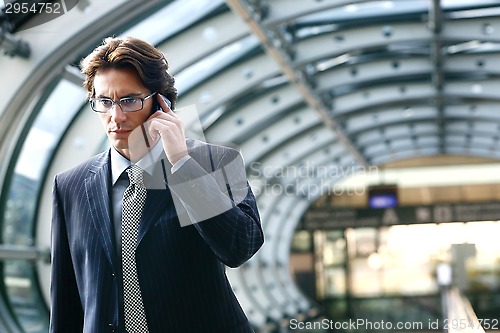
(149, 63)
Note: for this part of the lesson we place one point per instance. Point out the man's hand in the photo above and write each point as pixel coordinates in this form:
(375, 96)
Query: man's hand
(171, 131)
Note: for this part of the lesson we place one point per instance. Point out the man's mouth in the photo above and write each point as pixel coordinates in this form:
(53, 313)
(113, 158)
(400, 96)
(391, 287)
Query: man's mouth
(120, 131)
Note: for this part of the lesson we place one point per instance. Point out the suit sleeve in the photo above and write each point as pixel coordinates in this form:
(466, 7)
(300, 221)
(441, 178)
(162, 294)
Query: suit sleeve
(220, 205)
(66, 314)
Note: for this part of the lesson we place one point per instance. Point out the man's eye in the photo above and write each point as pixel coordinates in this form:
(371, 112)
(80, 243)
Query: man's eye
(106, 102)
(128, 101)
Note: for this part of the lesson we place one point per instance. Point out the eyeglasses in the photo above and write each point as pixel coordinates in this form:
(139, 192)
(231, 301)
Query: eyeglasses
(127, 104)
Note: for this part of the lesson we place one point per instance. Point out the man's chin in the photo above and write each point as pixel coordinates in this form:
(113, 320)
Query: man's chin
(120, 144)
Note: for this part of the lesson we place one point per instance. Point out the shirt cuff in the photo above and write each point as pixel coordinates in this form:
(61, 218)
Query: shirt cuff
(179, 163)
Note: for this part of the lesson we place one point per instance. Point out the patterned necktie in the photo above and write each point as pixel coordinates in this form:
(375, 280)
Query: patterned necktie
(132, 207)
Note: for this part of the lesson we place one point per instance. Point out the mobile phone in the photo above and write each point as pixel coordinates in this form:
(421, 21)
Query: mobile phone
(156, 104)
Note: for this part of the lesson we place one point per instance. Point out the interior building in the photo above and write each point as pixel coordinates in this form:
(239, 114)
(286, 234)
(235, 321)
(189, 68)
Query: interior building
(370, 131)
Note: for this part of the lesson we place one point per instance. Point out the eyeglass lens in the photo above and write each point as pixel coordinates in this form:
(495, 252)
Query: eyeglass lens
(127, 104)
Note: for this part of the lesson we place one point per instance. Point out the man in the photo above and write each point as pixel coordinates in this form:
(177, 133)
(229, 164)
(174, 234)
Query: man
(141, 233)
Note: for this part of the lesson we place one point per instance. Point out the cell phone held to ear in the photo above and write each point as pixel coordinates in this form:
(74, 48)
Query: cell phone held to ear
(157, 106)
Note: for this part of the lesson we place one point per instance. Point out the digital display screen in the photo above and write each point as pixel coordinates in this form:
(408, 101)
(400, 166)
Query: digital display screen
(387, 200)
(382, 196)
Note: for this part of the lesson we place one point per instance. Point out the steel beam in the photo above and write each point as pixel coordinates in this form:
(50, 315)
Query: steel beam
(437, 57)
(297, 77)
(13, 252)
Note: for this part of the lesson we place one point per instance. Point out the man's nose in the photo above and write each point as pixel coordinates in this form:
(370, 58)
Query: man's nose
(117, 114)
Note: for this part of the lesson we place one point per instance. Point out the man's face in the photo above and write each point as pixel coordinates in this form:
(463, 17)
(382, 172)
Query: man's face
(116, 84)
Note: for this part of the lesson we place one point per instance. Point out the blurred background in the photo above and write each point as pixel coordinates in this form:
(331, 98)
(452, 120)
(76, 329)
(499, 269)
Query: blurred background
(370, 132)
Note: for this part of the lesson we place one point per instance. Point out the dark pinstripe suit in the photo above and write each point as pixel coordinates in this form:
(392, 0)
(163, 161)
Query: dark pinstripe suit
(181, 269)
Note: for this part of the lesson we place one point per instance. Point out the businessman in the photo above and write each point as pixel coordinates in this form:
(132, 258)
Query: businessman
(142, 233)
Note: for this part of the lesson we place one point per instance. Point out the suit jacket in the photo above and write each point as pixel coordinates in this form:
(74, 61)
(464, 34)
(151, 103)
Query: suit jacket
(181, 269)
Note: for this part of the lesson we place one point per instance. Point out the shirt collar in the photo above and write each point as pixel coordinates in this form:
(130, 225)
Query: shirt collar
(146, 163)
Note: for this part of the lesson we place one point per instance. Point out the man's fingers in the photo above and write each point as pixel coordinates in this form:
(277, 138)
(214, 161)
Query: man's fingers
(168, 117)
(160, 125)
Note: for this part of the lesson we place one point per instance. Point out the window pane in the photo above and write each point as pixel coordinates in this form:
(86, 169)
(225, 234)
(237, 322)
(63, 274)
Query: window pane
(19, 220)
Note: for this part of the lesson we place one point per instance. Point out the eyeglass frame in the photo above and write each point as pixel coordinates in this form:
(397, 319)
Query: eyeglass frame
(142, 99)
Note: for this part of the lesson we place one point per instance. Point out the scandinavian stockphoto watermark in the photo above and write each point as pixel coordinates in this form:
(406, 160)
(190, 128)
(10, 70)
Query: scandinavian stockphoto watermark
(308, 179)
(355, 325)
(195, 201)
(210, 187)
(363, 325)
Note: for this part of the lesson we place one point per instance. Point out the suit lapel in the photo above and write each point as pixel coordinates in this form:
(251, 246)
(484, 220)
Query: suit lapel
(98, 189)
(158, 200)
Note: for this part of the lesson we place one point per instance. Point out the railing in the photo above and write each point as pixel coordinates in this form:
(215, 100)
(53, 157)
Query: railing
(17, 252)
(461, 317)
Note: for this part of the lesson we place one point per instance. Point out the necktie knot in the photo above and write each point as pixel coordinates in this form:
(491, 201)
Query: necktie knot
(136, 175)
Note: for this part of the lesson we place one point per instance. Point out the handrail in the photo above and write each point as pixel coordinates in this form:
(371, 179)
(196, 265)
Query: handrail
(461, 317)
(18, 252)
